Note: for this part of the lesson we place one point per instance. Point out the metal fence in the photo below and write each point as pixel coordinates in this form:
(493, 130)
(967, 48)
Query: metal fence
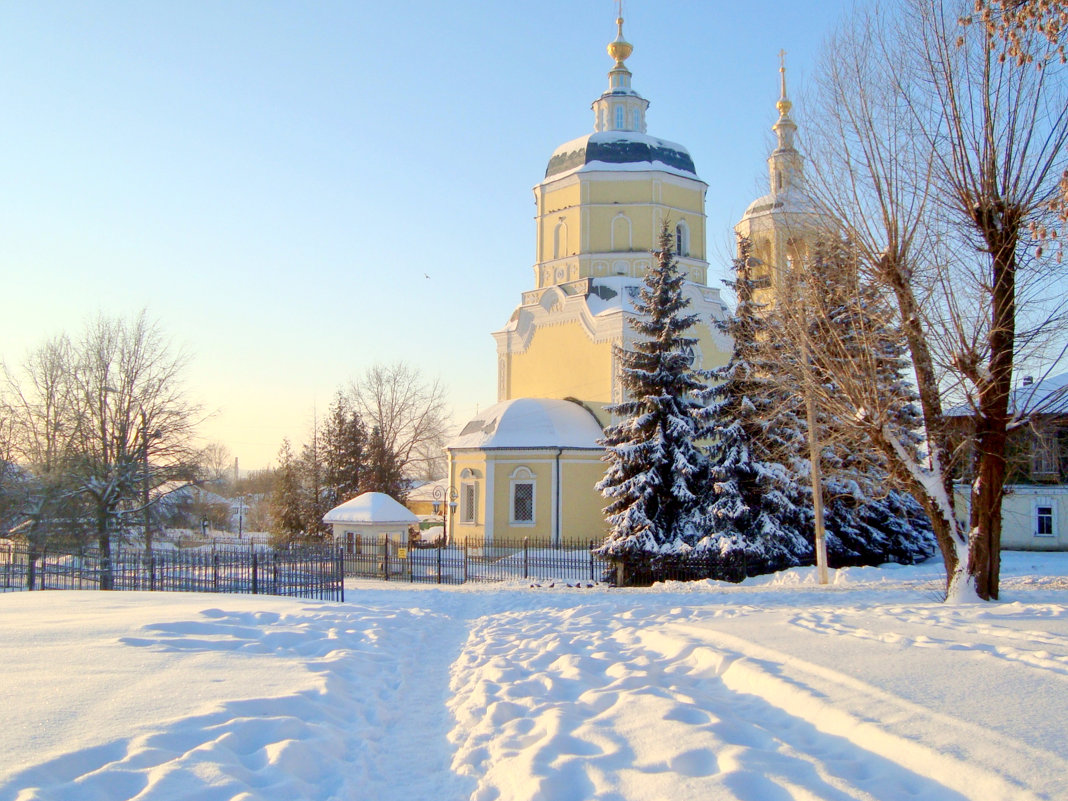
(572, 562)
(468, 561)
(314, 573)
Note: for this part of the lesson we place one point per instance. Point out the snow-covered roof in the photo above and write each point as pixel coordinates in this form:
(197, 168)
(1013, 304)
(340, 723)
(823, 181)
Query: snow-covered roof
(531, 423)
(1049, 396)
(620, 150)
(425, 492)
(370, 507)
(788, 201)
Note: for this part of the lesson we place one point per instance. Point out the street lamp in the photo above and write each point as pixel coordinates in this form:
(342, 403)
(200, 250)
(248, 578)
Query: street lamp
(442, 494)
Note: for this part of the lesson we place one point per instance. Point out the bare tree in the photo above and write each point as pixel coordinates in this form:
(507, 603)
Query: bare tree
(408, 410)
(216, 463)
(41, 425)
(134, 424)
(933, 157)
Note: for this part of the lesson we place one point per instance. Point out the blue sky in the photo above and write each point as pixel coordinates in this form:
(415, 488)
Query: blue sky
(272, 180)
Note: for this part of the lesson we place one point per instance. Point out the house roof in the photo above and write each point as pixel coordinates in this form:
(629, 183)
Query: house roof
(368, 508)
(531, 423)
(1048, 396)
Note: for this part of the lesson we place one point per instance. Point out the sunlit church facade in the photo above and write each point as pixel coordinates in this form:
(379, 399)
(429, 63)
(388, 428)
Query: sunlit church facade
(526, 466)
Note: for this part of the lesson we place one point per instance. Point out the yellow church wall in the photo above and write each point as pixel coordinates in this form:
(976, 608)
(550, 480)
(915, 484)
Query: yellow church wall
(619, 191)
(540, 464)
(473, 462)
(536, 373)
(680, 197)
(582, 507)
(711, 356)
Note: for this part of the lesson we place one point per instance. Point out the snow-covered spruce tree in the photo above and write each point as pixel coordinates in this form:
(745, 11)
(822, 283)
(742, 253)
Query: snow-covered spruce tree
(656, 469)
(757, 519)
(286, 502)
(344, 445)
(385, 472)
(868, 519)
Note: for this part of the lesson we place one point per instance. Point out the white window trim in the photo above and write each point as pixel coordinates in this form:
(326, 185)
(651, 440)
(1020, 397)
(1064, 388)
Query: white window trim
(1052, 506)
(682, 238)
(523, 475)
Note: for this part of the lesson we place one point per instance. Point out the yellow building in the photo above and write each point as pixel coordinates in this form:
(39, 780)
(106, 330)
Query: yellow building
(782, 226)
(600, 208)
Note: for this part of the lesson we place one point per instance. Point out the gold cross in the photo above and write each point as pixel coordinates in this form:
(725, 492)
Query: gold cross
(782, 55)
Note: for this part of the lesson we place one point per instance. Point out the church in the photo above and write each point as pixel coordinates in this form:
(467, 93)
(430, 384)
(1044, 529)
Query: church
(526, 466)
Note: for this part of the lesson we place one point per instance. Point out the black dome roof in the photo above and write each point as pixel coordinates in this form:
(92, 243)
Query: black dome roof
(619, 147)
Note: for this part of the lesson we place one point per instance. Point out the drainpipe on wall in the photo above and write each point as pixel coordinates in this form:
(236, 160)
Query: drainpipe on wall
(556, 502)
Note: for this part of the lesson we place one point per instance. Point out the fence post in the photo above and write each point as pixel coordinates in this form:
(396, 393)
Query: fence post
(341, 572)
(465, 560)
(591, 560)
(255, 573)
(214, 571)
(385, 557)
(525, 557)
(440, 549)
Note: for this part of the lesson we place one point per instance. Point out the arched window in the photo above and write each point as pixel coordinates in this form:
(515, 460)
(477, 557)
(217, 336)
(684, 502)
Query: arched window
(560, 240)
(621, 230)
(523, 488)
(682, 239)
(468, 498)
(637, 118)
(619, 118)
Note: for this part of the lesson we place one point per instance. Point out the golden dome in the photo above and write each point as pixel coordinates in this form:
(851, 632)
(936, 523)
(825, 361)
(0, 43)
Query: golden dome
(620, 49)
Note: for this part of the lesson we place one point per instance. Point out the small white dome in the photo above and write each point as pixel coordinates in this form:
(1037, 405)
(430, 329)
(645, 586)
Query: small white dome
(370, 507)
(531, 423)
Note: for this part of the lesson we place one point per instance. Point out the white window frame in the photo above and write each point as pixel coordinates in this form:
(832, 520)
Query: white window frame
(1037, 515)
(636, 118)
(468, 498)
(621, 117)
(682, 238)
(522, 476)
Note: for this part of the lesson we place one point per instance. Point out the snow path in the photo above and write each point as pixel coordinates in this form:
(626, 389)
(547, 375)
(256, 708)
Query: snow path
(375, 672)
(592, 704)
(770, 691)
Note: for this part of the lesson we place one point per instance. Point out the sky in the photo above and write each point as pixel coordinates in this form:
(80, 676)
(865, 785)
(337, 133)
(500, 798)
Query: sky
(296, 191)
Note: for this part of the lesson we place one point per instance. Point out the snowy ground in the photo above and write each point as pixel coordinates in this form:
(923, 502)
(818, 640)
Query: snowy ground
(774, 690)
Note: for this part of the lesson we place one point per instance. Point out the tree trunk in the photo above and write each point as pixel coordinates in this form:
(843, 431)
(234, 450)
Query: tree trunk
(103, 537)
(946, 531)
(992, 425)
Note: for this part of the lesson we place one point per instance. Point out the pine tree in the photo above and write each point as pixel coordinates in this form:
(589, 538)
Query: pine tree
(756, 512)
(344, 451)
(868, 521)
(656, 469)
(287, 519)
(384, 473)
(314, 498)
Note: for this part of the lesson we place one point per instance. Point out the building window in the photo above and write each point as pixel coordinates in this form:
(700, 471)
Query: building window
(619, 118)
(522, 497)
(682, 240)
(1044, 461)
(621, 232)
(636, 120)
(1045, 524)
(468, 503)
(560, 240)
